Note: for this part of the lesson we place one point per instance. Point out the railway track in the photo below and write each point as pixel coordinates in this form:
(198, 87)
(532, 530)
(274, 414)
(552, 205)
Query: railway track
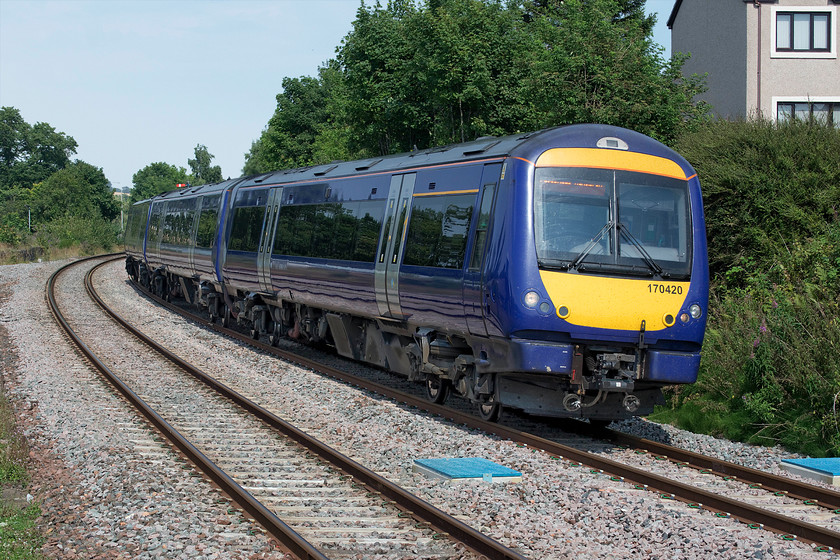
(316, 501)
(727, 489)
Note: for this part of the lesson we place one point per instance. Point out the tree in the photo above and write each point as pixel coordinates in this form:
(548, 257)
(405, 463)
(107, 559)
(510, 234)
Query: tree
(413, 75)
(468, 66)
(29, 154)
(202, 171)
(452, 70)
(80, 190)
(156, 178)
(306, 127)
(386, 105)
(599, 64)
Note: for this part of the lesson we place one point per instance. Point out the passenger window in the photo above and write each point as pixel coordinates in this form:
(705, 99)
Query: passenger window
(155, 223)
(368, 218)
(205, 237)
(247, 225)
(437, 232)
(344, 231)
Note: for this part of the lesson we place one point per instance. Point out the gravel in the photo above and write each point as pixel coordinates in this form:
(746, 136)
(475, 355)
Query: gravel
(109, 490)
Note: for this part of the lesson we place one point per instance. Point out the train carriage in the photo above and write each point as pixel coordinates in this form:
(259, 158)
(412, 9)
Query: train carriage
(562, 272)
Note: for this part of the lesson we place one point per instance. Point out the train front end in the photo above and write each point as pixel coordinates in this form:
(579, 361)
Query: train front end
(609, 298)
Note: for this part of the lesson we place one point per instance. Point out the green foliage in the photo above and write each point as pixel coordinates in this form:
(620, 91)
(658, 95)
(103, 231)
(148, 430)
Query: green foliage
(19, 538)
(13, 222)
(202, 171)
(156, 178)
(770, 372)
(80, 190)
(444, 73)
(304, 129)
(601, 65)
(766, 187)
(9, 235)
(92, 234)
(29, 154)
(415, 75)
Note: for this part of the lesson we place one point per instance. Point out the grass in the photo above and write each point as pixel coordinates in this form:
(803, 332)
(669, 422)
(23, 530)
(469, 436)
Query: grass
(19, 537)
(769, 374)
(10, 254)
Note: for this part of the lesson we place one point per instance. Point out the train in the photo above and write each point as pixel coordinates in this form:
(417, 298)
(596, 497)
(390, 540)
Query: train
(562, 272)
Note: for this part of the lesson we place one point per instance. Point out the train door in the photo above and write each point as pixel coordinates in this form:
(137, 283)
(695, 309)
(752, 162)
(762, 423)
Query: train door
(219, 247)
(193, 227)
(475, 298)
(156, 223)
(391, 245)
(264, 254)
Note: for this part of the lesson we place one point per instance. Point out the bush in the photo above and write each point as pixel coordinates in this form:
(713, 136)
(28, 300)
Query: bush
(765, 186)
(9, 235)
(92, 235)
(13, 228)
(770, 372)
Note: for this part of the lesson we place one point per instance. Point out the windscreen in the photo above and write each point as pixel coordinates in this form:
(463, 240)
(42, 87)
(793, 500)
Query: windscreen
(612, 222)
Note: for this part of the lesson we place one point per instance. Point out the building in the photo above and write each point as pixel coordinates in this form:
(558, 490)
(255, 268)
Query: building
(774, 57)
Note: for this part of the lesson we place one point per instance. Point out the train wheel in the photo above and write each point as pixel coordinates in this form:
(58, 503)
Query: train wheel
(159, 288)
(437, 389)
(276, 335)
(226, 317)
(490, 410)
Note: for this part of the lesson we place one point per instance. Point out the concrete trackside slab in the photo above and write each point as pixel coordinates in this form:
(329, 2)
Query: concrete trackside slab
(466, 468)
(824, 470)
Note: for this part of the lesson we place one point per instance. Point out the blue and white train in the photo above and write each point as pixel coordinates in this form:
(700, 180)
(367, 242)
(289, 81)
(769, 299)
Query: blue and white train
(562, 272)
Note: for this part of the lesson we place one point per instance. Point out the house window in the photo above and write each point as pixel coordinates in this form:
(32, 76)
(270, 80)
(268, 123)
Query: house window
(803, 31)
(824, 112)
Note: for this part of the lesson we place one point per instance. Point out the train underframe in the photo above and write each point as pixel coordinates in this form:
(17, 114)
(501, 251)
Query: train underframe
(602, 385)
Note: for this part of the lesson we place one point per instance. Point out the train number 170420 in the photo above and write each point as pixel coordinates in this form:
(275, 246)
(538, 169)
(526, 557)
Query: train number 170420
(665, 289)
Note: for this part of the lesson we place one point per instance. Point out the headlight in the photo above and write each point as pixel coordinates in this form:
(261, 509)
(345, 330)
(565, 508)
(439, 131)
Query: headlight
(532, 299)
(696, 311)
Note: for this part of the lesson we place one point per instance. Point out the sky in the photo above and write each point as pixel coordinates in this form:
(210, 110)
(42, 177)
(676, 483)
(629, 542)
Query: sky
(138, 82)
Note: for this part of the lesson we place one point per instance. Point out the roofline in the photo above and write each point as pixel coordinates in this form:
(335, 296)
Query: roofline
(678, 3)
(673, 15)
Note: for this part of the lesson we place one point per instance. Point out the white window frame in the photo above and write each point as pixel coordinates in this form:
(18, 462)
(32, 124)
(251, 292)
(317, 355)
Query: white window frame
(800, 99)
(831, 53)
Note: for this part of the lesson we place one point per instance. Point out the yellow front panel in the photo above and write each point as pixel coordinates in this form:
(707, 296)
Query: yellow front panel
(615, 303)
(600, 158)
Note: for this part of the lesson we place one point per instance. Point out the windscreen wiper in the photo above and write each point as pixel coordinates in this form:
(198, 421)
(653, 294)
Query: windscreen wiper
(591, 245)
(622, 229)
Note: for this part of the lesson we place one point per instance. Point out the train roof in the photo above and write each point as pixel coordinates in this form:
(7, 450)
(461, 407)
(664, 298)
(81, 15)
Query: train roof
(525, 145)
(191, 191)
